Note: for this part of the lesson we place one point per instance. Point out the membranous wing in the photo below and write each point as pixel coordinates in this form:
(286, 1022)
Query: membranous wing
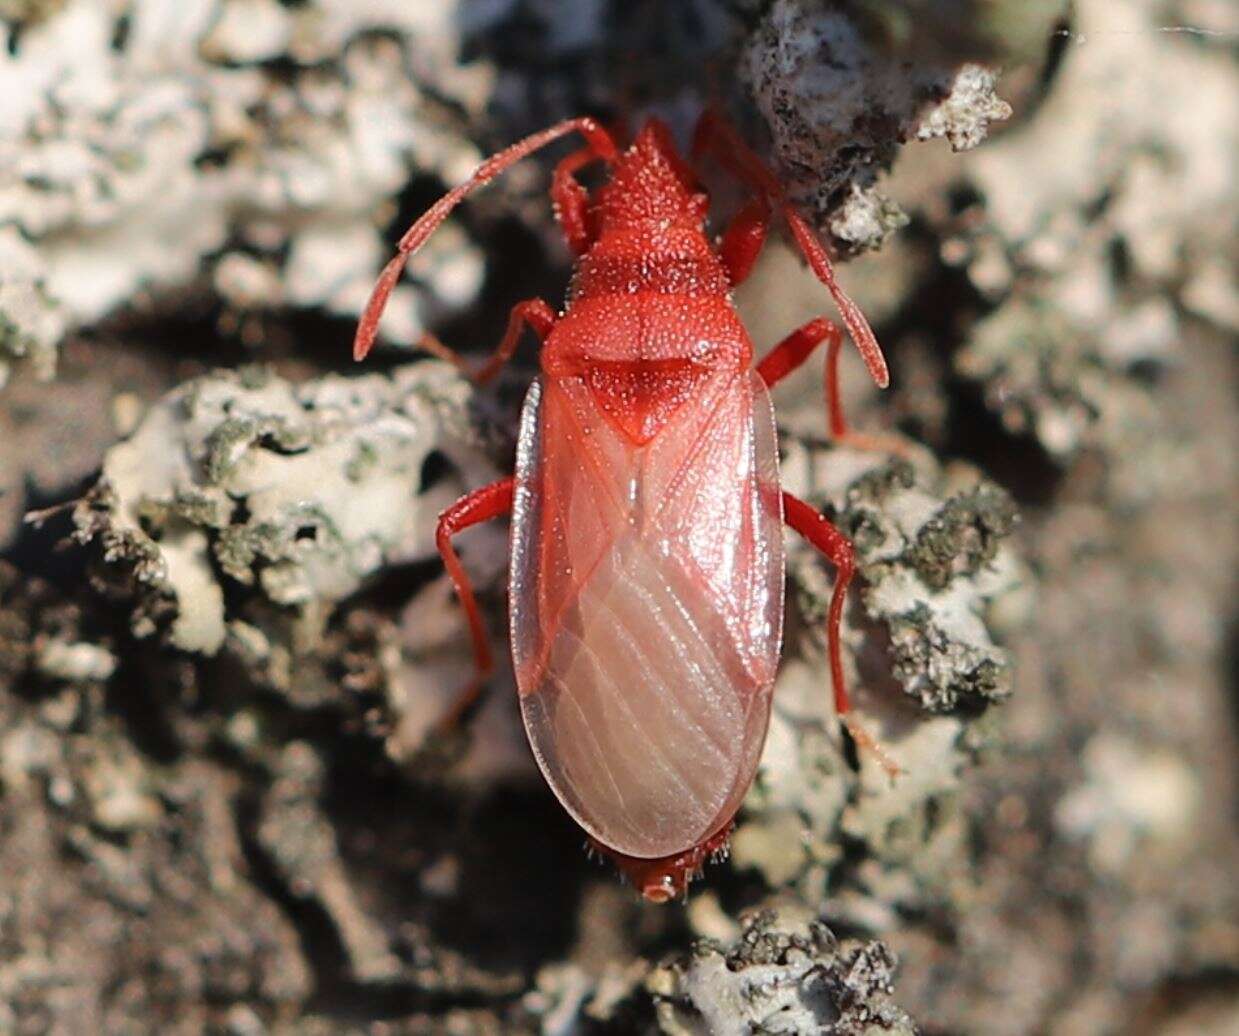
(647, 607)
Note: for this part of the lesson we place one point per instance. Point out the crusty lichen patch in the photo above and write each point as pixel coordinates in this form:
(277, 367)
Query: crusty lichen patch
(841, 90)
(149, 145)
(295, 492)
(937, 573)
(929, 549)
(784, 974)
(1095, 226)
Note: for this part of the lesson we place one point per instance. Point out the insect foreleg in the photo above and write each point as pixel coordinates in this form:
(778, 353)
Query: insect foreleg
(533, 312)
(479, 506)
(824, 536)
(793, 351)
(716, 135)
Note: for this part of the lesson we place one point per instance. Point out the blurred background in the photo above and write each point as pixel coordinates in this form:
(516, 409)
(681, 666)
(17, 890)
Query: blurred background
(225, 634)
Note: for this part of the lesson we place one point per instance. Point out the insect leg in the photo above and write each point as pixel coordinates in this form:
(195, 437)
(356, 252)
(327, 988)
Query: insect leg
(472, 509)
(716, 136)
(793, 350)
(837, 548)
(570, 199)
(532, 312)
(826, 538)
(743, 240)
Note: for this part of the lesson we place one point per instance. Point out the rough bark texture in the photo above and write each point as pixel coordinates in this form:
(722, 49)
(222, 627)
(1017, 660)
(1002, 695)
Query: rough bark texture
(224, 636)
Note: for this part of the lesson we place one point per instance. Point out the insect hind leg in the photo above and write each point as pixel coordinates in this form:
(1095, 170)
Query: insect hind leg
(830, 541)
(481, 505)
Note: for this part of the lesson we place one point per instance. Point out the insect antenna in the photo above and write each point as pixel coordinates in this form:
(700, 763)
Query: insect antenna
(858, 326)
(714, 135)
(597, 140)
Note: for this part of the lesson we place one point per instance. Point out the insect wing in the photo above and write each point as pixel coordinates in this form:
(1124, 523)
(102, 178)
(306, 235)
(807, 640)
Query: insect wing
(647, 608)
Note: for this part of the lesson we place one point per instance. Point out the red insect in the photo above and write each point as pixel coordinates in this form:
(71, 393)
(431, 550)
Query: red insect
(646, 585)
